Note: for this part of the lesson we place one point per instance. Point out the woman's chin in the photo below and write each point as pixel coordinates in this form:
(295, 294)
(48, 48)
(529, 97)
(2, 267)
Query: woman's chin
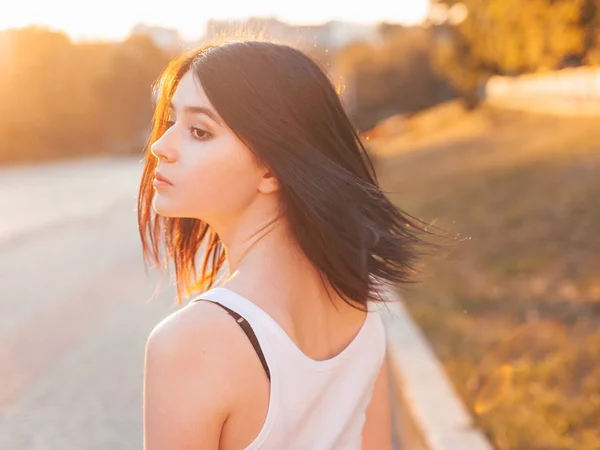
(164, 208)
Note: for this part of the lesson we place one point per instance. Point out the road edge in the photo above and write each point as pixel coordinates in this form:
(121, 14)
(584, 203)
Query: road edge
(428, 413)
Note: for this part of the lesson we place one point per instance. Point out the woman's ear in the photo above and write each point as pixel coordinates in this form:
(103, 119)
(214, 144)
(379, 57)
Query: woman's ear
(268, 184)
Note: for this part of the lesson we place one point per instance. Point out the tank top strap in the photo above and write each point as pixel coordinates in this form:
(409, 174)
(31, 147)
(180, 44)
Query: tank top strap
(261, 328)
(247, 328)
(258, 318)
(276, 340)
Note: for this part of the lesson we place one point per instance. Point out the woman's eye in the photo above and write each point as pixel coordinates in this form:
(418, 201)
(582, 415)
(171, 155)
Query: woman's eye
(199, 134)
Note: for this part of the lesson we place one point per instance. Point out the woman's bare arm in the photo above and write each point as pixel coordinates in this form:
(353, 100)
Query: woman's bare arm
(187, 392)
(377, 433)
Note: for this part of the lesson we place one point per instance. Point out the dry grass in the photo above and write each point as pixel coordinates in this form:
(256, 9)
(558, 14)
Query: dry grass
(514, 311)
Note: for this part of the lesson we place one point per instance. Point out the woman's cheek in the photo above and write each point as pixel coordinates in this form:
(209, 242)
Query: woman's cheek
(221, 177)
(226, 190)
(205, 187)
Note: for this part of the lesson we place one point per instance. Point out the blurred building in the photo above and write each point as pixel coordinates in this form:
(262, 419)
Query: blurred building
(330, 35)
(165, 38)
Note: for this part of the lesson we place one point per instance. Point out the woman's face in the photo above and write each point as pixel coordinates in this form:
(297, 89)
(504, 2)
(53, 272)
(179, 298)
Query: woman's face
(212, 173)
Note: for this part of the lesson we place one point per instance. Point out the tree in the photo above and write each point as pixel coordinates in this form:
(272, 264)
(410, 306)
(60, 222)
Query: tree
(394, 76)
(512, 37)
(62, 99)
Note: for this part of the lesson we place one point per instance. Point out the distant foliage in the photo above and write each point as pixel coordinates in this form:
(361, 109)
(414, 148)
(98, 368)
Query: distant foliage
(393, 76)
(61, 99)
(512, 37)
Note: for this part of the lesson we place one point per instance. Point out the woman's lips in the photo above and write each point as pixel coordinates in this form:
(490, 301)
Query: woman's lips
(161, 181)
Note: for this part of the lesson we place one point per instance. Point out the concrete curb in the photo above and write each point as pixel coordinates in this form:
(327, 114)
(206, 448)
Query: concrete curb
(427, 409)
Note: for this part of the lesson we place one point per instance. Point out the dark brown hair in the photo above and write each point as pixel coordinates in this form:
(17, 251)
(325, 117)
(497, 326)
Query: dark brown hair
(283, 106)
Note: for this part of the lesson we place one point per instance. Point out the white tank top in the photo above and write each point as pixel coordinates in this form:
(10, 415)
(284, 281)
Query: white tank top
(316, 405)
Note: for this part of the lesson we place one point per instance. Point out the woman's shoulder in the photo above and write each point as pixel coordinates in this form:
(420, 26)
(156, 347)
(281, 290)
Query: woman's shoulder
(206, 341)
(197, 324)
(188, 324)
(194, 362)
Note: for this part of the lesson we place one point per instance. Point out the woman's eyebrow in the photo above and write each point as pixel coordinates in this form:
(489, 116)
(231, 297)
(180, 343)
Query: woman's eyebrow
(195, 109)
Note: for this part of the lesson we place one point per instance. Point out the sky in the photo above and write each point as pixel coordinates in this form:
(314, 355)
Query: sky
(113, 19)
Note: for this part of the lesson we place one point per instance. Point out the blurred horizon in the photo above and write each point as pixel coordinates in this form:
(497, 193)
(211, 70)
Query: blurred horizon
(480, 118)
(99, 22)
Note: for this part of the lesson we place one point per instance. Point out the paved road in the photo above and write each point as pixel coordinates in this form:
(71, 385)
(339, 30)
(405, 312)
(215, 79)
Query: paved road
(76, 307)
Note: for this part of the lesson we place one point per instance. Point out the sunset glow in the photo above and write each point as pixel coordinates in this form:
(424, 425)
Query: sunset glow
(113, 19)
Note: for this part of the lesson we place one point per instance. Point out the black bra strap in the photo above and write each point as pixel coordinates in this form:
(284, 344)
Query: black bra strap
(249, 332)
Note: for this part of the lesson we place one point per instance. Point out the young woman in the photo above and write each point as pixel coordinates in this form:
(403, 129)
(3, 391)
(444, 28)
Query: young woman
(253, 162)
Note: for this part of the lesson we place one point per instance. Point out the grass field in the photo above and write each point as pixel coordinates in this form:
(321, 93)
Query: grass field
(514, 310)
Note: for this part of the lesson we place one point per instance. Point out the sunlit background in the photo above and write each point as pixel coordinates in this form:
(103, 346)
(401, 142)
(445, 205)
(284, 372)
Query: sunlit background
(114, 19)
(481, 117)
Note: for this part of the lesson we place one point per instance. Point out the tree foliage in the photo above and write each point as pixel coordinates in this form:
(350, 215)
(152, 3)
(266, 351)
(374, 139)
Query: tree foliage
(512, 37)
(61, 99)
(392, 76)
(65, 99)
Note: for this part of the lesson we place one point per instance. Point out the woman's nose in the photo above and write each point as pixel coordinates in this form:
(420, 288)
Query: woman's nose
(163, 148)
